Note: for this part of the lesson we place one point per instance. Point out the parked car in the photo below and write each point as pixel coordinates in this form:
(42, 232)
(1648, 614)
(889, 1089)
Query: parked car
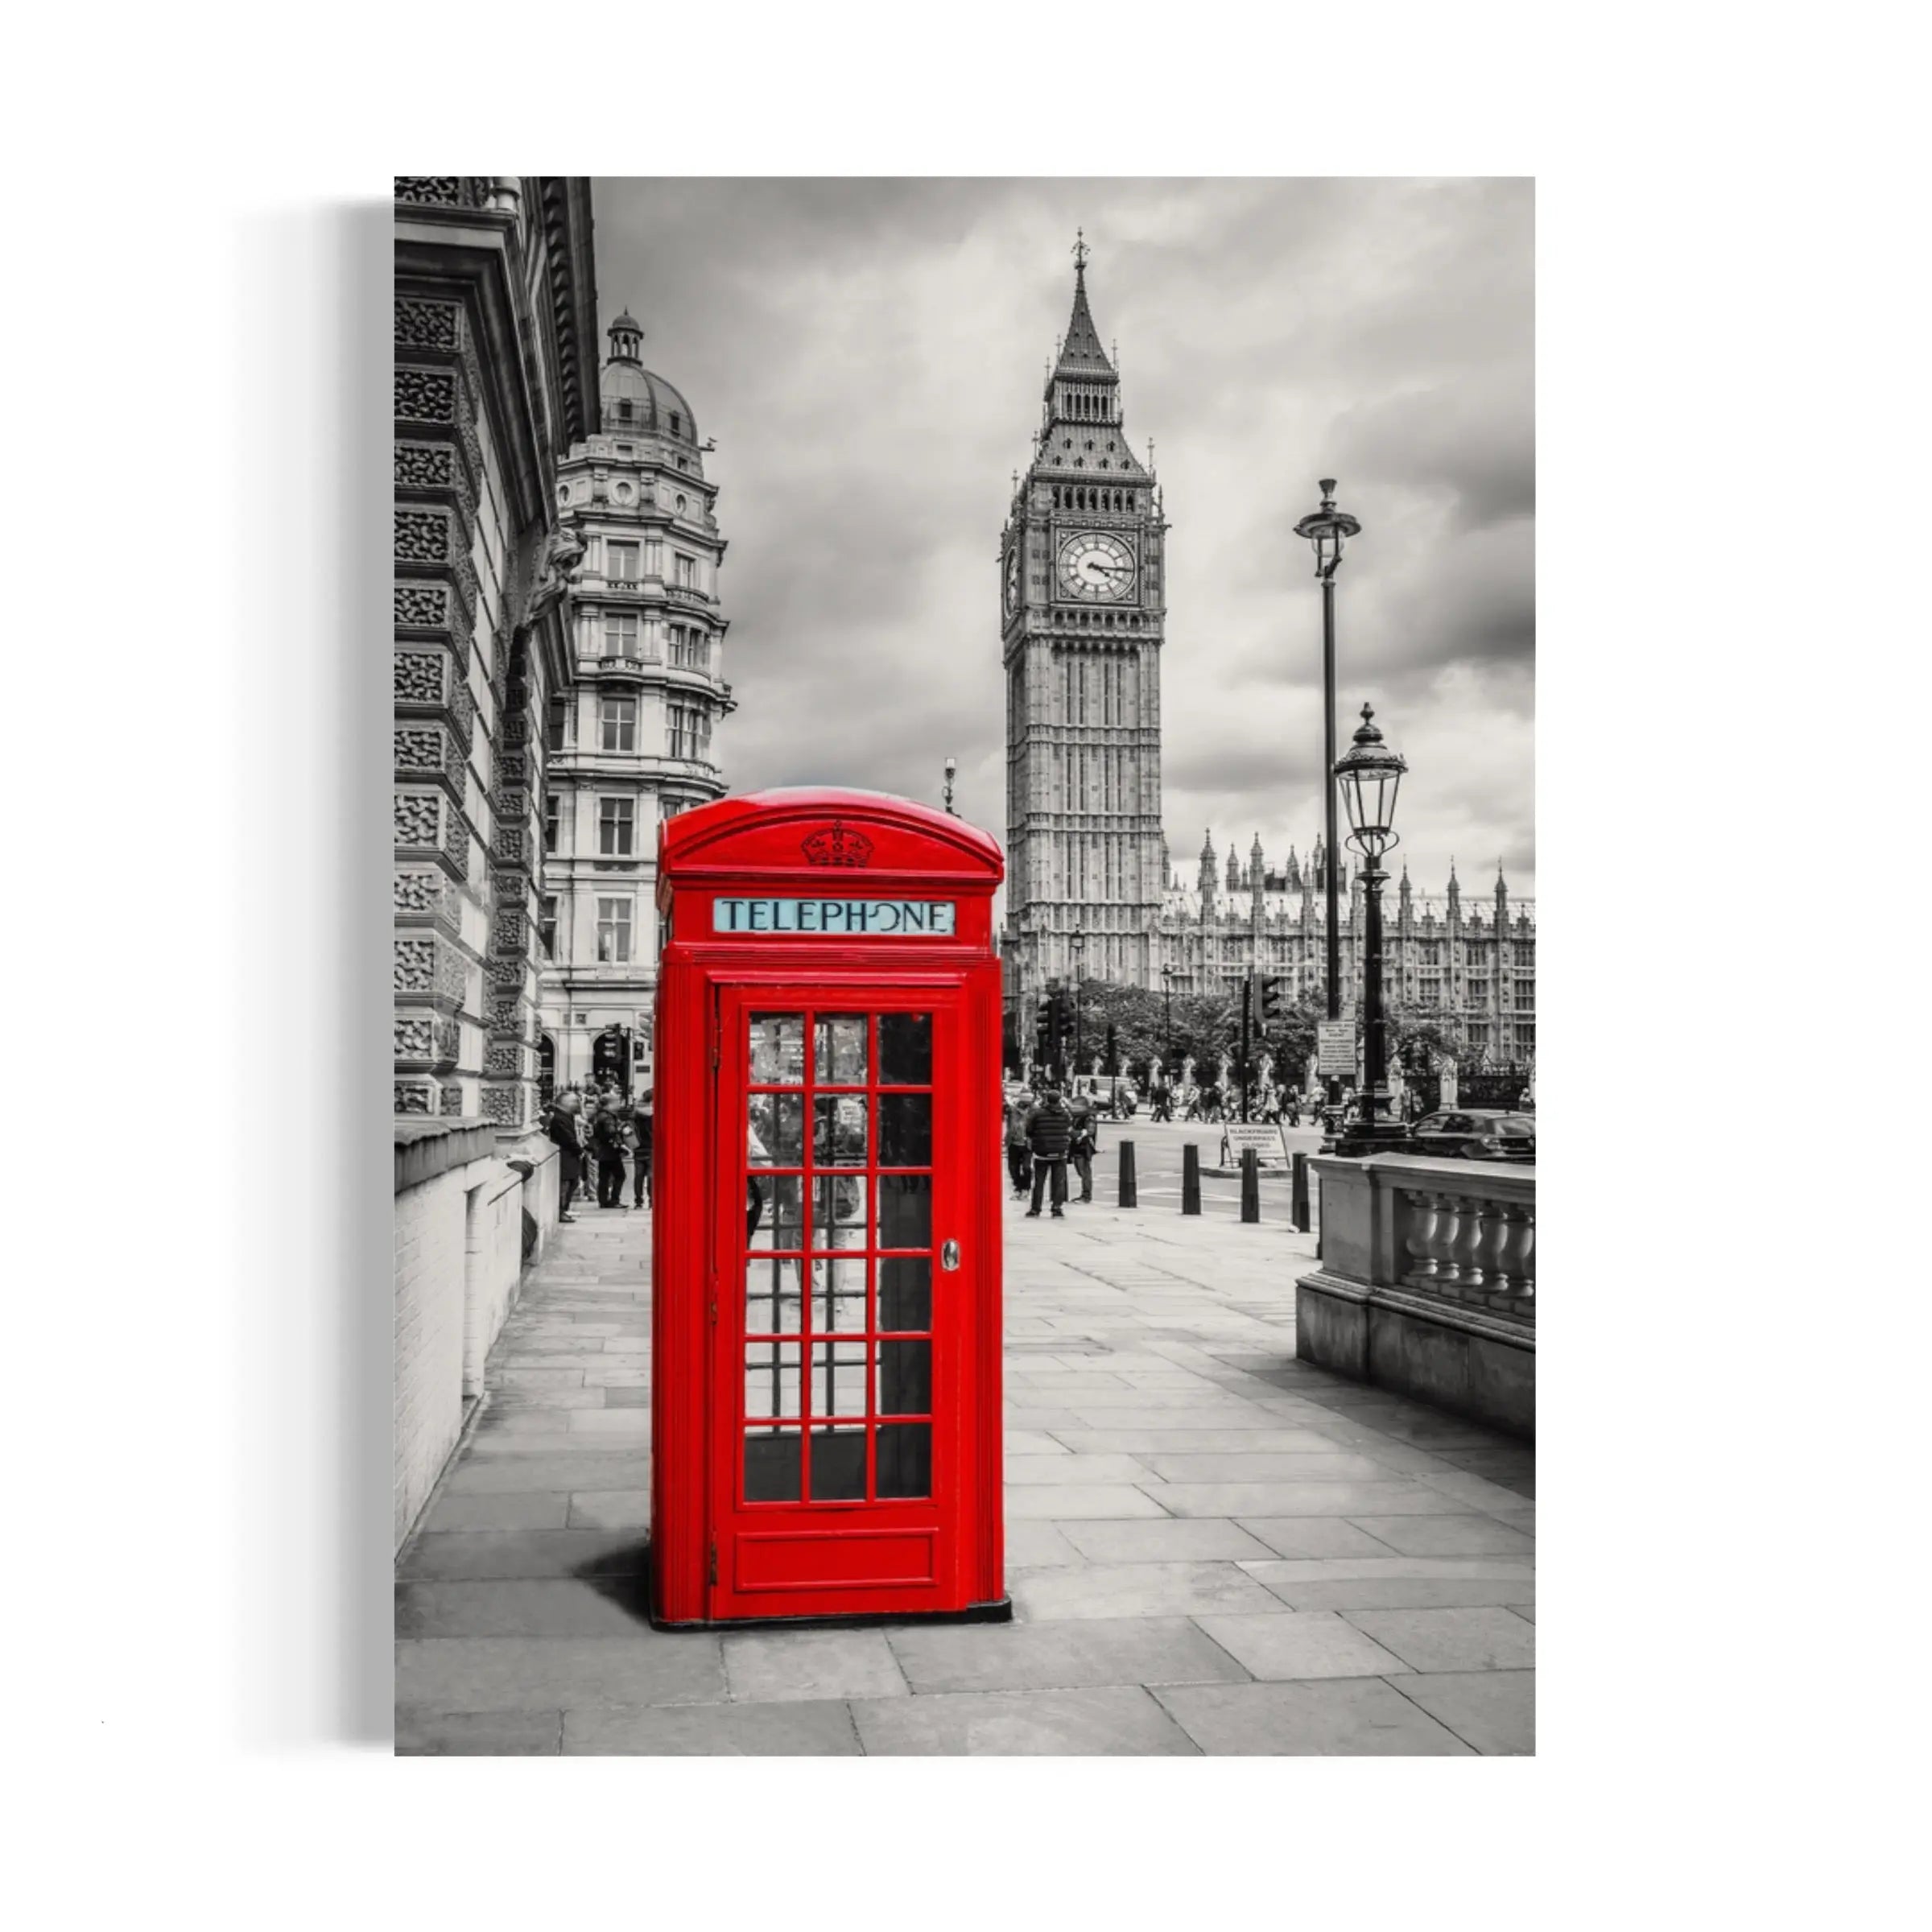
(1477, 1134)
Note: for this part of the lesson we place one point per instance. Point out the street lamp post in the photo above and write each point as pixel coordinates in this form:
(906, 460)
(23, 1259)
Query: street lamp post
(1326, 529)
(1167, 1012)
(1079, 973)
(1369, 776)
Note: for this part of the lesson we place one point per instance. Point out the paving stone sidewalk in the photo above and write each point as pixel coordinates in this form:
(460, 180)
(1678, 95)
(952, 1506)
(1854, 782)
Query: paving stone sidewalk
(1211, 1547)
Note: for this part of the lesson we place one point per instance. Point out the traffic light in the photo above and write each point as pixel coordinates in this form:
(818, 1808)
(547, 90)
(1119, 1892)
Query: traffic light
(1114, 1051)
(1042, 1031)
(1270, 1001)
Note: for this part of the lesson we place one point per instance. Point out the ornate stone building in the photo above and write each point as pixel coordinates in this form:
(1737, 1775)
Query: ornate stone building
(1478, 962)
(495, 378)
(1083, 607)
(631, 737)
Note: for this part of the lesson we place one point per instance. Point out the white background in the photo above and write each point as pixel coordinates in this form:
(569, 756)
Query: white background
(1731, 418)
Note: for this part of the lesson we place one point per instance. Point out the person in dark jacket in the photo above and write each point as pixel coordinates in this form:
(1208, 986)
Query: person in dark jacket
(565, 1131)
(607, 1146)
(1049, 1134)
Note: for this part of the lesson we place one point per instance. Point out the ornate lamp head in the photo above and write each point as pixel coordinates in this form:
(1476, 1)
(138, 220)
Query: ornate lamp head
(1326, 529)
(1369, 773)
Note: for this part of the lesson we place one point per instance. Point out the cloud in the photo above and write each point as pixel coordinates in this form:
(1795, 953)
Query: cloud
(869, 355)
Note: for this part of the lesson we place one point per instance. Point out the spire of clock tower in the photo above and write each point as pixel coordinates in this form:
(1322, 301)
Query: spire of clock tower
(1081, 355)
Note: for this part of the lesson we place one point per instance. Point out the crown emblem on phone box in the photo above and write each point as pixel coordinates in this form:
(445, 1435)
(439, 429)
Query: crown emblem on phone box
(838, 846)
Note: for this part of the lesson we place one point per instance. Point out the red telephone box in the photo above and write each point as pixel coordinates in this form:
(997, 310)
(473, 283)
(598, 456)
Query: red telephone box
(826, 1420)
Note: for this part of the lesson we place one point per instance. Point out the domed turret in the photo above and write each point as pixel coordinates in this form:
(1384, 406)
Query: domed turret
(636, 401)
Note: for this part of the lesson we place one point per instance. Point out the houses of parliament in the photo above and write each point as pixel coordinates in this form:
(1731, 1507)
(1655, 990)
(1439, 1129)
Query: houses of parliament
(1090, 887)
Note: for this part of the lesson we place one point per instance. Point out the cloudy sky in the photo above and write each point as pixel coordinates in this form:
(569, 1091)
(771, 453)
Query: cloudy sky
(869, 356)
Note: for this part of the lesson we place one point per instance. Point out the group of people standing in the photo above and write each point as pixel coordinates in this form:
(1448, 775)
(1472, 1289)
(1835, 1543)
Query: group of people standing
(603, 1128)
(1044, 1136)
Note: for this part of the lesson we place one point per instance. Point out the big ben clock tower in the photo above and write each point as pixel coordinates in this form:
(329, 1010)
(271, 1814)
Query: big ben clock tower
(1082, 600)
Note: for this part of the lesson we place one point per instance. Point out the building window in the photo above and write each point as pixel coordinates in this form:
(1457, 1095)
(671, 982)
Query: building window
(624, 410)
(546, 929)
(617, 724)
(558, 725)
(617, 826)
(686, 569)
(690, 731)
(677, 423)
(613, 932)
(688, 647)
(620, 633)
(621, 561)
(553, 815)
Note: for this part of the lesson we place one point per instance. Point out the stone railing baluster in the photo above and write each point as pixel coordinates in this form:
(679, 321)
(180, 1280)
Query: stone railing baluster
(1491, 1239)
(1423, 1215)
(1468, 1239)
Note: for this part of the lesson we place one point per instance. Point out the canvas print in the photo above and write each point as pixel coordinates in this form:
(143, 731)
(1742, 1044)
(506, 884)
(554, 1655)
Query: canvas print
(964, 897)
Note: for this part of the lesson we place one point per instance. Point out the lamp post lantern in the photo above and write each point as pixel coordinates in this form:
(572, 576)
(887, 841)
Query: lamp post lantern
(953, 766)
(1369, 776)
(1327, 529)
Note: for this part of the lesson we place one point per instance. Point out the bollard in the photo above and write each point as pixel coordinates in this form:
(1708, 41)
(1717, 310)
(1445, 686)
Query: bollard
(1191, 1179)
(1298, 1201)
(1129, 1192)
(1251, 1184)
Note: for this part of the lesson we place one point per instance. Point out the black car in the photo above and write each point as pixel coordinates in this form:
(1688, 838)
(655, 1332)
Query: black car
(1477, 1134)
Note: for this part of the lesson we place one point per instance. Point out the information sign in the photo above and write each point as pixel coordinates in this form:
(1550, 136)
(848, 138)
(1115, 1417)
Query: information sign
(1334, 1047)
(1238, 1136)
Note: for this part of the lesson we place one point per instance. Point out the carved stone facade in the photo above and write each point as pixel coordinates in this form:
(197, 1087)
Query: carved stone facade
(630, 742)
(495, 378)
(1477, 961)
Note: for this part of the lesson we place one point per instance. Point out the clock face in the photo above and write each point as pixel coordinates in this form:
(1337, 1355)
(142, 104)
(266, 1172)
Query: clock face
(1013, 576)
(1097, 565)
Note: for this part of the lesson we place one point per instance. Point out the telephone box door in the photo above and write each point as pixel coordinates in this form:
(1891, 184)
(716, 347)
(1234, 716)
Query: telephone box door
(845, 1284)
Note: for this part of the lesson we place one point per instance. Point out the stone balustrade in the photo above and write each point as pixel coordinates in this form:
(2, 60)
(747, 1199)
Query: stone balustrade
(1465, 1241)
(1427, 1282)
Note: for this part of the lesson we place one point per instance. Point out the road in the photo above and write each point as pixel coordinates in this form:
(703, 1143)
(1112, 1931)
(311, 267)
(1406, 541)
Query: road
(1157, 1149)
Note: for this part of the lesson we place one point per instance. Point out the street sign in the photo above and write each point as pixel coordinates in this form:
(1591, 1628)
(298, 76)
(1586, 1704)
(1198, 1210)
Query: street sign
(1334, 1047)
(1270, 1149)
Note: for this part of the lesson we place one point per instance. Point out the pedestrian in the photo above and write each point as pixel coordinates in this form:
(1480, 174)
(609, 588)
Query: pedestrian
(755, 1156)
(640, 1124)
(566, 1131)
(1295, 1108)
(1019, 1156)
(1085, 1142)
(1049, 1134)
(607, 1148)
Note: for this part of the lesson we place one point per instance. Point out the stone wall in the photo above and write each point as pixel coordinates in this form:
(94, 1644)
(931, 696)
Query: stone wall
(464, 1217)
(1427, 1283)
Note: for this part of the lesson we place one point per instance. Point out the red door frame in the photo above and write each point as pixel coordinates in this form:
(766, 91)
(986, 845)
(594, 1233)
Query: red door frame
(883, 1556)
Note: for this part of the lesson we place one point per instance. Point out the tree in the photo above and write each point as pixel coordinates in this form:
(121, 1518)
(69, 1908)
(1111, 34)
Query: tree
(1435, 1032)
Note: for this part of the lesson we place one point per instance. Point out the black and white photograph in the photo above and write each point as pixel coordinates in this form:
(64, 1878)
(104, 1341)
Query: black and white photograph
(965, 966)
